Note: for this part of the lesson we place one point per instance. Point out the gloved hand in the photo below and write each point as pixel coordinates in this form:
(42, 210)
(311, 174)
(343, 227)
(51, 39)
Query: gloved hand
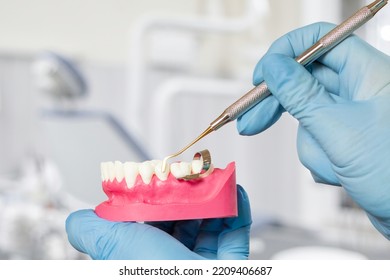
(342, 103)
(193, 239)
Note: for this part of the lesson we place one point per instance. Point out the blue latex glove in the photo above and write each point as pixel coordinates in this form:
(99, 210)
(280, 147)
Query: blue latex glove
(193, 239)
(342, 103)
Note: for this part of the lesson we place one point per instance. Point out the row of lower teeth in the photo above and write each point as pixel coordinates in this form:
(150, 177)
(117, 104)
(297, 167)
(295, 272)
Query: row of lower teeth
(147, 169)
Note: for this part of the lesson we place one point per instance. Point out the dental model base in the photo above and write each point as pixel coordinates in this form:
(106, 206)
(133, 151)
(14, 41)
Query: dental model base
(260, 92)
(143, 192)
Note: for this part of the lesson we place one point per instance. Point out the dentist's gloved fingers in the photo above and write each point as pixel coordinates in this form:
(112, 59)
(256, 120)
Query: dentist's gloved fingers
(184, 231)
(354, 56)
(102, 239)
(295, 88)
(207, 242)
(315, 159)
(296, 42)
(327, 77)
(293, 44)
(267, 112)
(227, 238)
(260, 117)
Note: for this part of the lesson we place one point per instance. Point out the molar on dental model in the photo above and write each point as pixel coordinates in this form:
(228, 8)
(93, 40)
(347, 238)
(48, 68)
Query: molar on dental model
(184, 190)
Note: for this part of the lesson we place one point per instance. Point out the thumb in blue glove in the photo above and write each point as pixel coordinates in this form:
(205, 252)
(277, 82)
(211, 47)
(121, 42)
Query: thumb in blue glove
(193, 239)
(343, 107)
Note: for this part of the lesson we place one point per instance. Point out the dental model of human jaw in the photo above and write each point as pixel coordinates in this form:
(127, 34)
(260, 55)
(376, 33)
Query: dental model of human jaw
(144, 192)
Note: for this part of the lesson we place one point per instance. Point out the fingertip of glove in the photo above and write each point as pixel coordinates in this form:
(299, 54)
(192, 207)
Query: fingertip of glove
(77, 228)
(75, 218)
(242, 193)
(257, 77)
(242, 127)
(244, 209)
(260, 117)
(245, 129)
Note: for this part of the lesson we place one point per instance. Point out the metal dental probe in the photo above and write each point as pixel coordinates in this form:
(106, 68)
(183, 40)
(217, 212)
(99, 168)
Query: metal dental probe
(258, 93)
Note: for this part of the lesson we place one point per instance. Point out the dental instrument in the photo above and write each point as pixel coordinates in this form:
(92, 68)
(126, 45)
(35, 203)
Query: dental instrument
(260, 92)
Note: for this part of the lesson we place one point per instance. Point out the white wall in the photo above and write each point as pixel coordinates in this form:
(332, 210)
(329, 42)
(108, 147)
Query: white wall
(93, 29)
(99, 29)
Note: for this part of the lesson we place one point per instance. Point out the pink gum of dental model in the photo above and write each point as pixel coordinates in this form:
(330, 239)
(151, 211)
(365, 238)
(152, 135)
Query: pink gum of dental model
(214, 196)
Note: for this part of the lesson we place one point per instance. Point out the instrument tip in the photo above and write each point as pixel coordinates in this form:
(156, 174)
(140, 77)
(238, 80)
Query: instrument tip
(203, 134)
(164, 164)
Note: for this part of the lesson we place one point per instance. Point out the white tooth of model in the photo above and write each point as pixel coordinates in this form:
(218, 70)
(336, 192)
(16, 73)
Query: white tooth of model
(180, 169)
(111, 171)
(154, 162)
(119, 174)
(131, 172)
(159, 173)
(185, 167)
(196, 166)
(104, 171)
(146, 170)
(176, 170)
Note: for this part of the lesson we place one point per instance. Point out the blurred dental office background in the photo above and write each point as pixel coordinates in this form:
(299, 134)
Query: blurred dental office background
(83, 82)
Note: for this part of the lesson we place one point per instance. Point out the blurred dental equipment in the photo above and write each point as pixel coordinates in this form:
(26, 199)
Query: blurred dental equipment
(33, 209)
(257, 94)
(69, 130)
(33, 200)
(58, 77)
